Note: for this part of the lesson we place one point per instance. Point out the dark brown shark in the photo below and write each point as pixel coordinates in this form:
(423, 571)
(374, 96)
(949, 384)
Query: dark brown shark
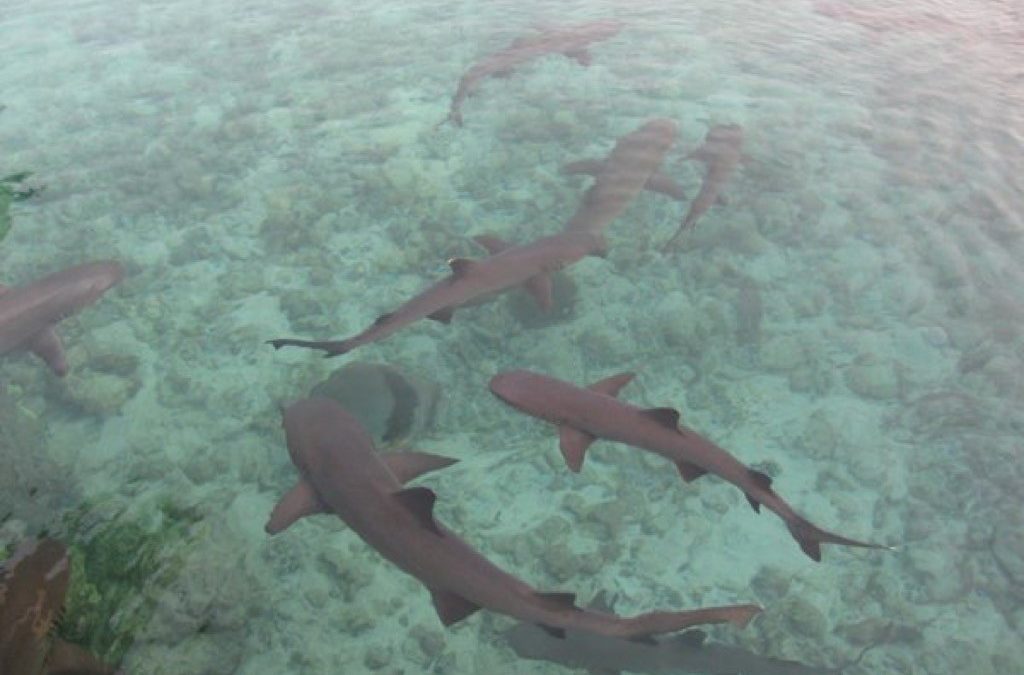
(631, 167)
(570, 41)
(28, 314)
(584, 415)
(341, 473)
(721, 152)
(33, 584)
(529, 265)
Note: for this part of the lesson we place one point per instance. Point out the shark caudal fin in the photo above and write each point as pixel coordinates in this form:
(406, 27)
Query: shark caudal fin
(811, 537)
(330, 347)
(656, 623)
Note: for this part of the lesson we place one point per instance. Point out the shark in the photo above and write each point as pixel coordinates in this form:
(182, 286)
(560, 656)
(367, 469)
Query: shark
(631, 167)
(687, 652)
(33, 586)
(30, 313)
(470, 281)
(658, 182)
(721, 153)
(584, 415)
(571, 41)
(341, 473)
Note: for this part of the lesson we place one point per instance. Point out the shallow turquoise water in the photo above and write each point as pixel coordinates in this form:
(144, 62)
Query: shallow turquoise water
(849, 320)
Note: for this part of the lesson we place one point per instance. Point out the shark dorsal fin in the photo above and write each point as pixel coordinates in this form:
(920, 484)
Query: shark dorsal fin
(444, 315)
(419, 501)
(611, 386)
(461, 267)
(410, 464)
(451, 607)
(46, 345)
(763, 481)
(493, 243)
(666, 417)
(382, 318)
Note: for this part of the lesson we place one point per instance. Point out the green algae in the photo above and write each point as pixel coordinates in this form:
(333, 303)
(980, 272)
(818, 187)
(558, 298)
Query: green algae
(119, 567)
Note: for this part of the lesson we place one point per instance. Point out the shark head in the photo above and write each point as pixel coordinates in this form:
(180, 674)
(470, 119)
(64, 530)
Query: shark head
(97, 278)
(33, 584)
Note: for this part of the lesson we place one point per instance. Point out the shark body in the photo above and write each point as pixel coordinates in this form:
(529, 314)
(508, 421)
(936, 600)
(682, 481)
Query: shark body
(673, 655)
(571, 41)
(631, 166)
(721, 153)
(584, 415)
(341, 474)
(29, 314)
(33, 585)
(473, 280)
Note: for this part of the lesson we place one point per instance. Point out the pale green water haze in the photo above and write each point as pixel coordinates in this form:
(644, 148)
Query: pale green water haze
(846, 319)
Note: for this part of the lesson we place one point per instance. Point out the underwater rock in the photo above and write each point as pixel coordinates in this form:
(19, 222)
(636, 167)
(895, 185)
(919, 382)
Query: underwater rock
(392, 406)
(32, 486)
(1008, 548)
(100, 394)
(782, 354)
(871, 377)
(805, 618)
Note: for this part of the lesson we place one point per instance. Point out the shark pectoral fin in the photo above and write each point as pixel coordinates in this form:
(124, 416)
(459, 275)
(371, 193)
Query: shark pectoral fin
(690, 472)
(461, 266)
(611, 386)
(539, 287)
(666, 417)
(299, 502)
(574, 444)
(419, 501)
(444, 315)
(409, 464)
(493, 243)
(451, 608)
(65, 657)
(46, 345)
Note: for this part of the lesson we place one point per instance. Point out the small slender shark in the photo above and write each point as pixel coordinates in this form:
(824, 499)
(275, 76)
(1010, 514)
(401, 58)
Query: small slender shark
(687, 652)
(508, 266)
(721, 152)
(341, 473)
(584, 415)
(571, 41)
(29, 314)
(632, 166)
(33, 585)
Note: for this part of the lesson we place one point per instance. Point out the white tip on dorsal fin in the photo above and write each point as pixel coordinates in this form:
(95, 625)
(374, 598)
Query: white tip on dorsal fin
(493, 243)
(409, 464)
(419, 501)
(461, 266)
(666, 417)
(611, 386)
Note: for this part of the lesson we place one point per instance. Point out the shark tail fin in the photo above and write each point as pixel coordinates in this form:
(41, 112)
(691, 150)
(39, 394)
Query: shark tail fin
(330, 347)
(811, 537)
